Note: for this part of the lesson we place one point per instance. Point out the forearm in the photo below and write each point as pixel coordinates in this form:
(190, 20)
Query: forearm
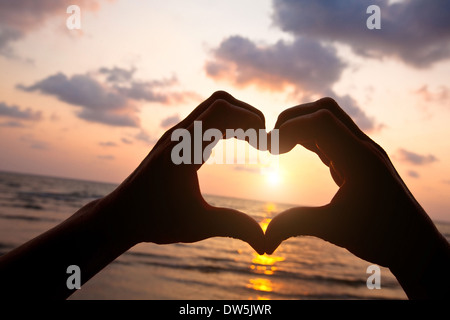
(89, 239)
(423, 271)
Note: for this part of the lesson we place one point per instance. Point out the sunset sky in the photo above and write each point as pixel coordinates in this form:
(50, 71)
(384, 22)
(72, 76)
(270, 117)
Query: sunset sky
(91, 103)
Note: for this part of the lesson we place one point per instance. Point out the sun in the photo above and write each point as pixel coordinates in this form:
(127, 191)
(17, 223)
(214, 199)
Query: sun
(272, 177)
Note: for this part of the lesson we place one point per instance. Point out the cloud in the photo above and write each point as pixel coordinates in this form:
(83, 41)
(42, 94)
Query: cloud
(170, 121)
(306, 66)
(80, 89)
(144, 91)
(108, 96)
(108, 144)
(415, 158)
(34, 143)
(126, 141)
(20, 17)
(305, 63)
(16, 112)
(441, 95)
(414, 31)
(145, 137)
(8, 35)
(12, 124)
(413, 174)
(98, 102)
(123, 81)
(117, 74)
(106, 157)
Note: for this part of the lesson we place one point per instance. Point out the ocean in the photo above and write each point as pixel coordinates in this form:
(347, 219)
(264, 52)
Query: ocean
(216, 268)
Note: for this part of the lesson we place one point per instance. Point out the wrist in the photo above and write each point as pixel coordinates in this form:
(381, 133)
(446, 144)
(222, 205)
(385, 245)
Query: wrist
(113, 225)
(422, 265)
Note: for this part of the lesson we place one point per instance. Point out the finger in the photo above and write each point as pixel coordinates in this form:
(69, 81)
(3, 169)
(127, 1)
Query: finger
(322, 104)
(220, 119)
(311, 107)
(299, 221)
(332, 106)
(332, 138)
(233, 122)
(224, 115)
(218, 95)
(338, 179)
(310, 145)
(224, 222)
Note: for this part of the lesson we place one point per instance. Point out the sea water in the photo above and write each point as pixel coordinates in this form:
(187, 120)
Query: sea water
(216, 268)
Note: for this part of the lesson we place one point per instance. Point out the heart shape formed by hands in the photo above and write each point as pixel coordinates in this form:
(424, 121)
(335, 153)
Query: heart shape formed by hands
(373, 214)
(363, 216)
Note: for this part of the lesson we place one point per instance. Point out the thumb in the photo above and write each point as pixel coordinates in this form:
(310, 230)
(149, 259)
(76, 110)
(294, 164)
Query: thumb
(224, 222)
(307, 221)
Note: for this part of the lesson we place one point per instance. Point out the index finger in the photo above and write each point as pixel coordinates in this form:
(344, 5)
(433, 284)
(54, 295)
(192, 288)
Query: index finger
(344, 150)
(204, 106)
(321, 104)
(332, 106)
(215, 122)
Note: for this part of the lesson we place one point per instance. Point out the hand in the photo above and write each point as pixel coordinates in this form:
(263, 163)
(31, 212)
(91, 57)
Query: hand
(161, 202)
(373, 214)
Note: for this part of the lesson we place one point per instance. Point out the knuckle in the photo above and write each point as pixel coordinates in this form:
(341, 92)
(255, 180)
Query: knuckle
(326, 117)
(220, 106)
(327, 122)
(220, 94)
(328, 103)
(285, 115)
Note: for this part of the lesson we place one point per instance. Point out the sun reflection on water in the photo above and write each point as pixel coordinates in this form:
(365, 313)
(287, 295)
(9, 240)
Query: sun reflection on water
(264, 264)
(260, 284)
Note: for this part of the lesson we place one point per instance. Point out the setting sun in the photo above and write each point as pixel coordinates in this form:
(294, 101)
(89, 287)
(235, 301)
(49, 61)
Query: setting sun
(272, 176)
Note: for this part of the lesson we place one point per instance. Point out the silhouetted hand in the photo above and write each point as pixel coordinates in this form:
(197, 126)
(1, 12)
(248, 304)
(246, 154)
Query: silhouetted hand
(373, 214)
(161, 202)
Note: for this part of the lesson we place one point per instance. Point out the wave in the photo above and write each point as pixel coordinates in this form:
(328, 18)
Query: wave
(230, 265)
(70, 196)
(26, 218)
(173, 262)
(5, 248)
(148, 255)
(276, 294)
(28, 206)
